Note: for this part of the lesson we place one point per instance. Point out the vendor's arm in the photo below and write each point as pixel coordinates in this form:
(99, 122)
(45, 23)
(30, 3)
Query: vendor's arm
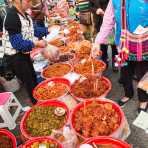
(40, 31)
(107, 26)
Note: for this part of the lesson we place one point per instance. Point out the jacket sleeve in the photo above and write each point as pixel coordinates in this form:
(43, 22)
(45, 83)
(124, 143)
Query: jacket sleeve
(107, 25)
(40, 31)
(20, 44)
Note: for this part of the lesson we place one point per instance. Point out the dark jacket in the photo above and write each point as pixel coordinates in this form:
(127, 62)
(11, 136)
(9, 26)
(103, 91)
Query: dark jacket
(95, 4)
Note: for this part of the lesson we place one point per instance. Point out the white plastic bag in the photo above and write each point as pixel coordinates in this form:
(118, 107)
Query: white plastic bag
(67, 137)
(51, 53)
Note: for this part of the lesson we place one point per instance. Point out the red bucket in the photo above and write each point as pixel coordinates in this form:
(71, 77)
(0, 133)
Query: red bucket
(25, 133)
(41, 139)
(117, 132)
(97, 73)
(64, 64)
(106, 80)
(9, 135)
(55, 80)
(103, 140)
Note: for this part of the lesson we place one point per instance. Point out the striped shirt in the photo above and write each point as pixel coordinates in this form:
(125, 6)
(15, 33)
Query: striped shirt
(83, 5)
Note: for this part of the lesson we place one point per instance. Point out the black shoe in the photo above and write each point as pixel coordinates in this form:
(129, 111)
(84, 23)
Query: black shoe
(142, 109)
(115, 69)
(122, 103)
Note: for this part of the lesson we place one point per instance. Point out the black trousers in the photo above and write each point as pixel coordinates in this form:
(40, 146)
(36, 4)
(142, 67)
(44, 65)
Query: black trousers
(127, 72)
(104, 49)
(22, 67)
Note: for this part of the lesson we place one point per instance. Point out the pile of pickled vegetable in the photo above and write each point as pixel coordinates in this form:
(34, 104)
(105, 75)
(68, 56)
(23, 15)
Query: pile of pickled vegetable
(96, 120)
(52, 91)
(42, 120)
(91, 87)
(46, 143)
(86, 67)
(104, 146)
(5, 141)
(56, 70)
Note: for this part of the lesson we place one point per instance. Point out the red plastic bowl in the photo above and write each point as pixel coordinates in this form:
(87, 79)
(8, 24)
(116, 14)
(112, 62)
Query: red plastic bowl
(55, 80)
(107, 140)
(68, 65)
(41, 139)
(100, 101)
(96, 73)
(45, 103)
(102, 96)
(10, 135)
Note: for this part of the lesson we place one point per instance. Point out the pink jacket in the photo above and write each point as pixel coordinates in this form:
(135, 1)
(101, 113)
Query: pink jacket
(107, 25)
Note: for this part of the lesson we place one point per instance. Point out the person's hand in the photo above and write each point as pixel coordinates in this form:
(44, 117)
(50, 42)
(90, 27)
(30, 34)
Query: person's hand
(96, 50)
(40, 44)
(51, 53)
(100, 11)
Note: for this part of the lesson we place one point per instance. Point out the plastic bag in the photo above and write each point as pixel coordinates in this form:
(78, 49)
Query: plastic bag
(51, 53)
(143, 83)
(67, 137)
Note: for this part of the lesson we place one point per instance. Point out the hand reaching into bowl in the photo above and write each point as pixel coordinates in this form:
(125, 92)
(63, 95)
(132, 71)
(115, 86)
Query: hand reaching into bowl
(40, 44)
(51, 53)
(96, 50)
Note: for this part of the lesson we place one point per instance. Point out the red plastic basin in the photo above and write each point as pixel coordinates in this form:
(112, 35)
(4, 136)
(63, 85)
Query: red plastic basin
(99, 101)
(55, 80)
(116, 143)
(107, 81)
(41, 139)
(10, 135)
(25, 133)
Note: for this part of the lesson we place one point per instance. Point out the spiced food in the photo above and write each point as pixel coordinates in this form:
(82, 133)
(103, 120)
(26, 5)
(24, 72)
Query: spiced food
(96, 119)
(86, 67)
(56, 70)
(57, 42)
(51, 91)
(42, 120)
(45, 143)
(90, 87)
(5, 141)
(104, 146)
